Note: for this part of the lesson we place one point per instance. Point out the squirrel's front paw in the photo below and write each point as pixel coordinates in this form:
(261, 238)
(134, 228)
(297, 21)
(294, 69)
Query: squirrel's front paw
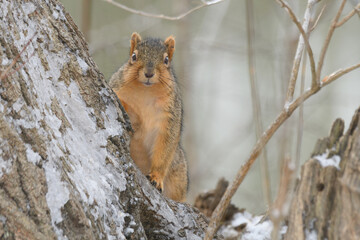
(156, 181)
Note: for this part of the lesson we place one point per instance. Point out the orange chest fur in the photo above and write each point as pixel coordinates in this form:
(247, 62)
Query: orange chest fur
(146, 107)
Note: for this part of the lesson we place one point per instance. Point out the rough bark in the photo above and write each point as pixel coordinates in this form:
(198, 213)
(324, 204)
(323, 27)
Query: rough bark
(326, 202)
(64, 157)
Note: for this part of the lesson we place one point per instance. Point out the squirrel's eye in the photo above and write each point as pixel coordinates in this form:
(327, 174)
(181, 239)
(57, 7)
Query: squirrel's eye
(133, 57)
(166, 60)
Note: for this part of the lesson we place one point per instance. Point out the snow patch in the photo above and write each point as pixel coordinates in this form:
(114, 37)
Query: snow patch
(4, 9)
(5, 165)
(55, 123)
(326, 162)
(2, 218)
(283, 230)
(28, 7)
(18, 105)
(55, 14)
(60, 12)
(84, 66)
(287, 105)
(58, 193)
(254, 230)
(31, 155)
(5, 61)
(111, 121)
(310, 234)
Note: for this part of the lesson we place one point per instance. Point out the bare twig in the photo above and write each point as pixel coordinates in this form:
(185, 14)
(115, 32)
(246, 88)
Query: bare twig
(304, 38)
(256, 100)
(19, 67)
(327, 40)
(5, 73)
(161, 16)
(335, 75)
(301, 117)
(318, 18)
(347, 17)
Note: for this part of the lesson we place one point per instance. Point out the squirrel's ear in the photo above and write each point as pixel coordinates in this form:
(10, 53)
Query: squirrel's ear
(170, 45)
(135, 39)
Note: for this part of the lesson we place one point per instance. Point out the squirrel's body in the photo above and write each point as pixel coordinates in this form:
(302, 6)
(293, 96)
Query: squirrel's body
(147, 89)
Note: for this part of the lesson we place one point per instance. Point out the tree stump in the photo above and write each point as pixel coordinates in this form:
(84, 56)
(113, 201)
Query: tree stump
(326, 201)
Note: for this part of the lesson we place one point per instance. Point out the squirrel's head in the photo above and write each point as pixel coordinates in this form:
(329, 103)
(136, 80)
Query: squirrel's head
(150, 59)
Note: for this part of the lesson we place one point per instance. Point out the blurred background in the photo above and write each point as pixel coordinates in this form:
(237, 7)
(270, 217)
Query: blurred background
(212, 65)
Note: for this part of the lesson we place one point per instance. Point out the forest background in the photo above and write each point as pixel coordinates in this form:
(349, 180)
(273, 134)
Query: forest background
(211, 63)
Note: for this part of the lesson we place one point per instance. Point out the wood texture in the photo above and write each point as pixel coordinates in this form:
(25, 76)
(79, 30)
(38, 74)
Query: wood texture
(327, 201)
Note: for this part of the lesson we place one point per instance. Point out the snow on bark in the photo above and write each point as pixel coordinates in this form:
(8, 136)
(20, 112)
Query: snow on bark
(66, 171)
(82, 143)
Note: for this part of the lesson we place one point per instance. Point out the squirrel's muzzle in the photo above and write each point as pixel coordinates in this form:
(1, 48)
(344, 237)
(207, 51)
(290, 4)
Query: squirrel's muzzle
(149, 70)
(149, 74)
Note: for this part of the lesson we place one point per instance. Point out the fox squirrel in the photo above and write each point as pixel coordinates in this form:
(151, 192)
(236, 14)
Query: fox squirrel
(148, 90)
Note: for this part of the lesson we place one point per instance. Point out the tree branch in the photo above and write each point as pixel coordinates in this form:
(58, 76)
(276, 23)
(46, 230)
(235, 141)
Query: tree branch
(161, 16)
(347, 17)
(335, 75)
(327, 40)
(304, 38)
(318, 18)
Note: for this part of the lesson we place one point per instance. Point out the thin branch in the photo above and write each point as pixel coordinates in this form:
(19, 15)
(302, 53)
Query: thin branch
(327, 40)
(256, 100)
(19, 67)
(14, 61)
(347, 17)
(307, 17)
(161, 16)
(301, 117)
(318, 18)
(335, 75)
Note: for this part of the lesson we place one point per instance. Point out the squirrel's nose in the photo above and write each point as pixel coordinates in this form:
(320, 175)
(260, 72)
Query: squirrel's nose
(149, 74)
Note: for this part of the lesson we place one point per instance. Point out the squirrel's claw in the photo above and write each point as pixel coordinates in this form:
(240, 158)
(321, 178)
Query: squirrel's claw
(158, 186)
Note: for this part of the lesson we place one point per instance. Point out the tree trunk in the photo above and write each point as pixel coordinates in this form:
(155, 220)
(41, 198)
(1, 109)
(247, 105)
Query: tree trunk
(327, 198)
(64, 157)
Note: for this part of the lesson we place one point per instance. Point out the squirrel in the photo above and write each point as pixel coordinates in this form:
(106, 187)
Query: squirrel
(148, 90)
